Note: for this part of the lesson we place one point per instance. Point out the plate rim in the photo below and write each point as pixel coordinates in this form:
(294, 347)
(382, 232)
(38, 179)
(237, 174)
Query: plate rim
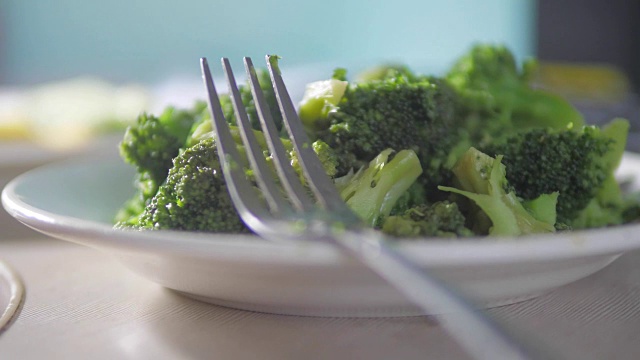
(16, 296)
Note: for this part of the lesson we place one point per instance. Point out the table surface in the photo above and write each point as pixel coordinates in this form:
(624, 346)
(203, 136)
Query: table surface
(81, 303)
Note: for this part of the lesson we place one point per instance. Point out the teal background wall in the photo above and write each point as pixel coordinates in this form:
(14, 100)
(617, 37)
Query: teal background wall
(148, 41)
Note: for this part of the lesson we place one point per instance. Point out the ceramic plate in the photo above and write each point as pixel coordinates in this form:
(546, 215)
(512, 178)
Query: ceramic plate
(76, 201)
(11, 295)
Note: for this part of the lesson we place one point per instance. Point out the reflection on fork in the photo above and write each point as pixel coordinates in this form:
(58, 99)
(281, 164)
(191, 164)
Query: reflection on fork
(325, 217)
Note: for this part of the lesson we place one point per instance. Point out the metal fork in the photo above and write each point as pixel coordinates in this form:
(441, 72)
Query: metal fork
(327, 218)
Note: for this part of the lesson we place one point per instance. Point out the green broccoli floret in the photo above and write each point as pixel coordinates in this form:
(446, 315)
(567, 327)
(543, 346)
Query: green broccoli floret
(152, 142)
(574, 163)
(324, 152)
(194, 191)
(327, 156)
(441, 219)
(401, 111)
(483, 180)
(373, 191)
(609, 206)
(320, 98)
(194, 196)
(497, 97)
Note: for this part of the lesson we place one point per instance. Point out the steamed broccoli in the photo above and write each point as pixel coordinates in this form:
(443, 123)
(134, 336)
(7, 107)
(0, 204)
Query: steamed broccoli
(442, 219)
(168, 145)
(497, 97)
(194, 196)
(373, 191)
(401, 111)
(574, 163)
(152, 142)
(483, 180)
(402, 150)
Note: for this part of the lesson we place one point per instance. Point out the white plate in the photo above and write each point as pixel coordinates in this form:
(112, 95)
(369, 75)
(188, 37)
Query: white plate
(76, 201)
(11, 295)
(17, 157)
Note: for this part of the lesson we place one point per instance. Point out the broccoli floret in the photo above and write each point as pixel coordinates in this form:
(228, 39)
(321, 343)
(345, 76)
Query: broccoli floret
(574, 163)
(609, 206)
(320, 98)
(399, 112)
(442, 219)
(327, 156)
(497, 97)
(373, 191)
(483, 180)
(325, 153)
(152, 142)
(194, 196)
(194, 191)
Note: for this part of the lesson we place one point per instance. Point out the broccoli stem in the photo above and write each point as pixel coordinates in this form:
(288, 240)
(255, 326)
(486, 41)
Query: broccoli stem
(483, 180)
(373, 191)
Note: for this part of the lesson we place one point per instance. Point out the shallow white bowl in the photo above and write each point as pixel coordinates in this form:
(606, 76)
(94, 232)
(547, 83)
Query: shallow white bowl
(17, 157)
(76, 201)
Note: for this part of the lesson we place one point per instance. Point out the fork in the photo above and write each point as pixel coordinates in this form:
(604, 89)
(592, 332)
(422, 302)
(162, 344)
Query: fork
(326, 218)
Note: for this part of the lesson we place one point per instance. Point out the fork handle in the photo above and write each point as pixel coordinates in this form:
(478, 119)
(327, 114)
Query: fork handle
(473, 330)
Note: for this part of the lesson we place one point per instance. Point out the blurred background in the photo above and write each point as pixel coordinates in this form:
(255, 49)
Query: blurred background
(149, 41)
(69, 66)
(123, 55)
(73, 73)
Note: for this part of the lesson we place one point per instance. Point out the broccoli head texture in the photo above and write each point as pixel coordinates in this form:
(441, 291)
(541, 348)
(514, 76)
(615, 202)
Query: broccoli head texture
(152, 142)
(497, 96)
(480, 151)
(499, 211)
(399, 112)
(574, 163)
(441, 219)
(194, 196)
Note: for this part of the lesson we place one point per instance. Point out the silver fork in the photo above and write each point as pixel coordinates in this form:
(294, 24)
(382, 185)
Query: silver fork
(327, 218)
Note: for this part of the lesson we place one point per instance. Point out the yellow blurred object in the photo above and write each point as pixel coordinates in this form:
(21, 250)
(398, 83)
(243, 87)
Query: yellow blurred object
(14, 130)
(599, 82)
(68, 114)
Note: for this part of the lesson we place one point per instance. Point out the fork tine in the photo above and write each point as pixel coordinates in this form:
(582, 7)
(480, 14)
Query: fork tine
(319, 181)
(297, 194)
(263, 174)
(240, 189)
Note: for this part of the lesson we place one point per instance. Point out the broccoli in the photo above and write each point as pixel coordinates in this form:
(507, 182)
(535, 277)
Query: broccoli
(497, 97)
(480, 151)
(320, 98)
(574, 163)
(401, 111)
(609, 206)
(154, 145)
(194, 196)
(152, 142)
(442, 219)
(500, 212)
(373, 191)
